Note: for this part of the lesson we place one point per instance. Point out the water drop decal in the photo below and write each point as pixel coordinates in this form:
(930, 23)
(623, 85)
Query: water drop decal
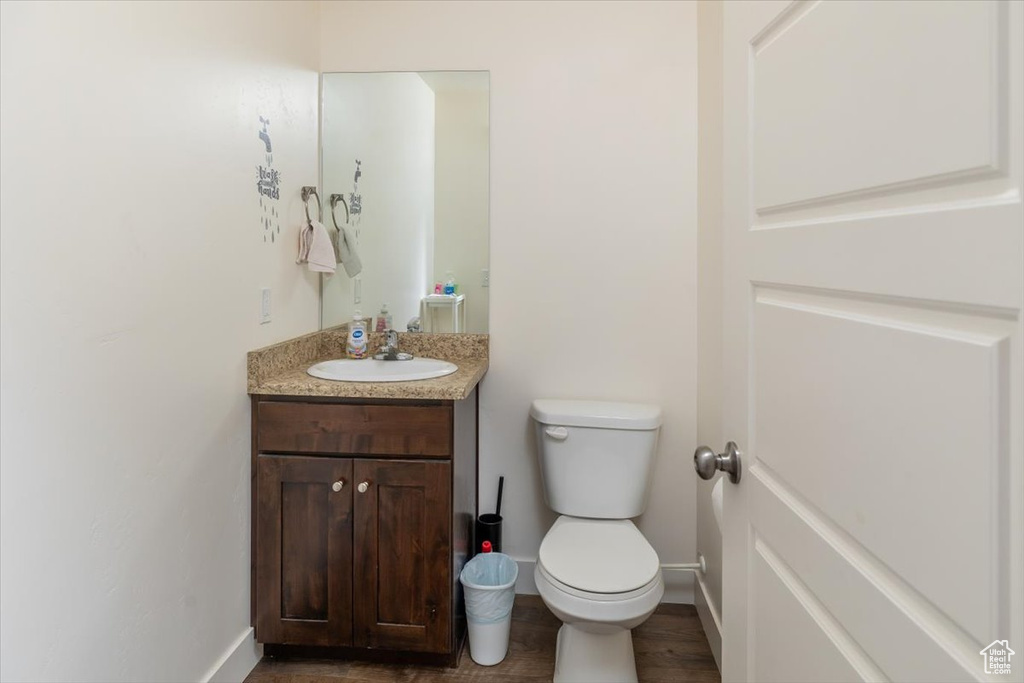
(268, 181)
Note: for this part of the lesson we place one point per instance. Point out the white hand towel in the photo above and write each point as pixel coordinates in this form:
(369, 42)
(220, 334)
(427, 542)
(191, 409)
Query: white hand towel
(345, 246)
(305, 239)
(321, 251)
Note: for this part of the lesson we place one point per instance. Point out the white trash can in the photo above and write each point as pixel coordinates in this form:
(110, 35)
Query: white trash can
(489, 583)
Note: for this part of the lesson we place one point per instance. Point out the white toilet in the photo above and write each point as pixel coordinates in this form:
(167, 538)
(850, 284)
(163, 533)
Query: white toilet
(596, 571)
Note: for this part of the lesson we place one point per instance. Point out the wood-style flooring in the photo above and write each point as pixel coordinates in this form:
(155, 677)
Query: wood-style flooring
(670, 648)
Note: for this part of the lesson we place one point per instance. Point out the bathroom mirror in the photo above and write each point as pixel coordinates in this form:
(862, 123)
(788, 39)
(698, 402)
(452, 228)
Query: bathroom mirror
(409, 155)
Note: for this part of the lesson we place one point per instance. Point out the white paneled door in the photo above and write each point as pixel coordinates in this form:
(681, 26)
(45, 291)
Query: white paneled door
(874, 251)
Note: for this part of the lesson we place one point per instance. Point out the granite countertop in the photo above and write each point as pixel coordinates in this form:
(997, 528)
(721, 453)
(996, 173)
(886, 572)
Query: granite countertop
(280, 369)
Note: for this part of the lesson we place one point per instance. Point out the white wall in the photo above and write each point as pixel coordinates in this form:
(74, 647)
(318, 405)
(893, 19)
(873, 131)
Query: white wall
(132, 256)
(461, 183)
(593, 220)
(387, 122)
(709, 303)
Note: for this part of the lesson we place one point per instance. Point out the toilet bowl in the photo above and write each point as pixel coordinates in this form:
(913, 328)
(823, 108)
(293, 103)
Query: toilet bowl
(599, 613)
(595, 571)
(601, 579)
(595, 642)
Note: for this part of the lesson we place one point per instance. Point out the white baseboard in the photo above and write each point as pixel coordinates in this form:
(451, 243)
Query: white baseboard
(678, 584)
(710, 620)
(236, 663)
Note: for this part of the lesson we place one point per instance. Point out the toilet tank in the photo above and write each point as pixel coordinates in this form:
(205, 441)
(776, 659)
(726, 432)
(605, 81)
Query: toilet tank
(596, 457)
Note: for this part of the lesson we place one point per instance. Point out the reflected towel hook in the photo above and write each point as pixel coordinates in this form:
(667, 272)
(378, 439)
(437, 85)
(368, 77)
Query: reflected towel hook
(308, 190)
(335, 198)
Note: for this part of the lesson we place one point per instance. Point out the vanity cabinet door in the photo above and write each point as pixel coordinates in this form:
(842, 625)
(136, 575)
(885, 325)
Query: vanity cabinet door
(304, 550)
(402, 564)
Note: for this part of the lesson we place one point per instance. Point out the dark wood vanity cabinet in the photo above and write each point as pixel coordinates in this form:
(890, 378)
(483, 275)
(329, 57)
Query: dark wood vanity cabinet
(402, 568)
(362, 519)
(303, 550)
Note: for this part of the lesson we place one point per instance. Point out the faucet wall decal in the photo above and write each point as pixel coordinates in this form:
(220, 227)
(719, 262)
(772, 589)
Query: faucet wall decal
(268, 185)
(264, 135)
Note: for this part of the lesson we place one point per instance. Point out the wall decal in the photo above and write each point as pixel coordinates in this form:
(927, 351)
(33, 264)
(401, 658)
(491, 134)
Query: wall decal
(269, 182)
(268, 185)
(355, 200)
(265, 136)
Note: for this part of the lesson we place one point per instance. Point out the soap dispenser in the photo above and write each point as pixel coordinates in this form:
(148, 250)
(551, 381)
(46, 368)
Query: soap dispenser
(356, 346)
(384, 319)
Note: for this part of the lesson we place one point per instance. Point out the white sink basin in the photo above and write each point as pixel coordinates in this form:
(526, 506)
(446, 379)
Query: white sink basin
(369, 370)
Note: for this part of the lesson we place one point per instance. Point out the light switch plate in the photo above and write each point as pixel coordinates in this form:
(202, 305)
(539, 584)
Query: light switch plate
(265, 306)
(485, 277)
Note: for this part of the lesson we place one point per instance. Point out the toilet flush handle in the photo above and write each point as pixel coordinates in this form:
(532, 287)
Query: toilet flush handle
(557, 433)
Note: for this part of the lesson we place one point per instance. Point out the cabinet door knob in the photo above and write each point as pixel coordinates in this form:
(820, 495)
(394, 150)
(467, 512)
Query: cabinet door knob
(363, 486)
(338, 485)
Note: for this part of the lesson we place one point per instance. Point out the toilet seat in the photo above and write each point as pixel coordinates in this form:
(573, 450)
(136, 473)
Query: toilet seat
(598, 597)
(598, 559)
(598, 612)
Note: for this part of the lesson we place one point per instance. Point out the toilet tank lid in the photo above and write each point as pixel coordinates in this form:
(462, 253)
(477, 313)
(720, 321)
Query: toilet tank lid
(599, 414)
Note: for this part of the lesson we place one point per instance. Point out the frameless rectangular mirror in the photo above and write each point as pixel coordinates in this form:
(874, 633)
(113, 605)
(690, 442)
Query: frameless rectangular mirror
(405, 162)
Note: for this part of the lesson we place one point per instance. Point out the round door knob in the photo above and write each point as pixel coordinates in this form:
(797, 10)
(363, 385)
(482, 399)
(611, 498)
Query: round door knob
(363, 487)
(704, 462)
(707, 462)
(338, 485)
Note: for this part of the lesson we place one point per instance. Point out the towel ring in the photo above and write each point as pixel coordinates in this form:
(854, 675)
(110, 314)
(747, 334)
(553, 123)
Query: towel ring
(335, 198)
(306, 192)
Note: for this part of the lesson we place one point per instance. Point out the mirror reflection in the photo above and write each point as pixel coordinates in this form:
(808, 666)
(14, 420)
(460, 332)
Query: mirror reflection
(405, 165)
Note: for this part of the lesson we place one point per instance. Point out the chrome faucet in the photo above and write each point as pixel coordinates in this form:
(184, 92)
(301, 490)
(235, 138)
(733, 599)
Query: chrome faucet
(389, 351)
